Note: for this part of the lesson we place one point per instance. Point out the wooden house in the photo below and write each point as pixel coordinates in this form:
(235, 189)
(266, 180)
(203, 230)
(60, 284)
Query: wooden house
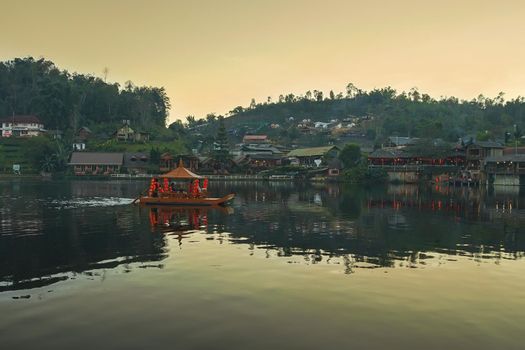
(309, 156)
(96, 163)
(83, 134)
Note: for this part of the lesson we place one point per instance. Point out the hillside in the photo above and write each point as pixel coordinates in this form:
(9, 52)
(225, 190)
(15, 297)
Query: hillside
(404, 114)
(64, 100)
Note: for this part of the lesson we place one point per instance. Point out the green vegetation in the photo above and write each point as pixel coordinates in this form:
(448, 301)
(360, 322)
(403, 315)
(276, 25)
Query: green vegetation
(413, 114)
(33, 155)
(363, 175)
(221, 150)
(64, 100)
(350, 155)
(355, 169)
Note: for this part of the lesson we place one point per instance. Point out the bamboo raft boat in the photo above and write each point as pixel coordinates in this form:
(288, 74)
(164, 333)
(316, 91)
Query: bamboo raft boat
(164, 191)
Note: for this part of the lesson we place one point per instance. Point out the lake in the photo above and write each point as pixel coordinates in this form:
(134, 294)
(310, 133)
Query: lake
(288, 266)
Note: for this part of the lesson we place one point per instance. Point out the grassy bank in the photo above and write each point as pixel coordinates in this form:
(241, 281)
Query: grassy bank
(14, 151)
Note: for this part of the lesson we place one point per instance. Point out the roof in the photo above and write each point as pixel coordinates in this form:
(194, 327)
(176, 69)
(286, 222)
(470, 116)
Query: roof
(181, 173)
(506, 158)
(85, 128)
(96, 158)
(136, 160)
(22, 119)
(255, 137)
(263, 156)
(311, 152)
(402, 141)
(514, 150)
(488, 144)
(260, 149)
(386, 153)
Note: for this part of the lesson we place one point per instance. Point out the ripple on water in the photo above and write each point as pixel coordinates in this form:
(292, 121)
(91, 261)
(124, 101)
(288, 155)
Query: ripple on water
(74, 203)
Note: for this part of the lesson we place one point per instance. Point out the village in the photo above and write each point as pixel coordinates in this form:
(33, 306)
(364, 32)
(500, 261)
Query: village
(468, 162)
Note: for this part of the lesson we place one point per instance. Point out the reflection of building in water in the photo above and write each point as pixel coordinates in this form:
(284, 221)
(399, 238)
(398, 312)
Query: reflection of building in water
(397, 226)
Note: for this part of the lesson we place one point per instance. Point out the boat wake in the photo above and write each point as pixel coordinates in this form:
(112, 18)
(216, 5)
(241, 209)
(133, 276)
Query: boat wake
(90, 202)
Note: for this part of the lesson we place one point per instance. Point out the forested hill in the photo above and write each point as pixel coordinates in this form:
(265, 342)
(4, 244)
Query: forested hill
(414, 114)
(65, 100)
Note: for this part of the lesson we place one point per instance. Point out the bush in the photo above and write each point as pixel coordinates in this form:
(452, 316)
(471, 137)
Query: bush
(363, 175)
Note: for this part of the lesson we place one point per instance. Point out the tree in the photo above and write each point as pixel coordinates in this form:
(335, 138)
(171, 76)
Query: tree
(517, 136)
(351, 90)
(221, 147)
(308, 95)
(332, 95)
(350, 155)
(211, 118)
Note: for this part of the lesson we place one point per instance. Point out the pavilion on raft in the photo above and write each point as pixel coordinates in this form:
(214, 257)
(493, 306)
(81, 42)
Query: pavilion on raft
(167, 188)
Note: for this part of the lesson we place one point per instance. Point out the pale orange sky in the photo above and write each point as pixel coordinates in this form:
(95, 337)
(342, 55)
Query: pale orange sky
(214, 55)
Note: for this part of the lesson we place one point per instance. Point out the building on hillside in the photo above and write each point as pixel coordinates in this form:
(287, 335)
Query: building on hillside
(136, 163)
(83, 134)
(255, 139)
(257, 157)
(310, 156)
(255, 149)
(96, 163)
(126, 134)
(21, 126)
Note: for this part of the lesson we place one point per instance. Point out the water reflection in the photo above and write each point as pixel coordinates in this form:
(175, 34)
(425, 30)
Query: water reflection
(381, 227)
(54, 231)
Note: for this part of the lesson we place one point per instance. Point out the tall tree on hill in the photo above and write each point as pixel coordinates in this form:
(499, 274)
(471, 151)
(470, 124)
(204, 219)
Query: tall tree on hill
(221, 147)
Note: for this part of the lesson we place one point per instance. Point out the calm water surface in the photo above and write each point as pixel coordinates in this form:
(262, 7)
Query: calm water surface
(287, 267)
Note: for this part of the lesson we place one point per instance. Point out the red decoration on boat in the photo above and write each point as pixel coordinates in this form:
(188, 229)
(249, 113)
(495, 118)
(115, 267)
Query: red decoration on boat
(161, 192)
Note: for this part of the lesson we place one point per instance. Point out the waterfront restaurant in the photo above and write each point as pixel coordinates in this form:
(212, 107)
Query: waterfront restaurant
(427, 157)
(508, 169)
(96, 163)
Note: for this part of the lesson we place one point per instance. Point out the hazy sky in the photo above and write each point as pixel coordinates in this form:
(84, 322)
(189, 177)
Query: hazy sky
(214, 55)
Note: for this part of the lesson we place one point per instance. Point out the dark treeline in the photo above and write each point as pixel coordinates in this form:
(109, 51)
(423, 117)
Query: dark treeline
(405, 114)
(64, 100)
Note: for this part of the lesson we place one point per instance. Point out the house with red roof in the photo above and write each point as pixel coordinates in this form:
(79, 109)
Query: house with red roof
(21, 126)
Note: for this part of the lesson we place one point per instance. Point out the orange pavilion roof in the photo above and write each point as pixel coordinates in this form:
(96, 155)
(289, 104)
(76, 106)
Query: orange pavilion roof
(181, 173)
